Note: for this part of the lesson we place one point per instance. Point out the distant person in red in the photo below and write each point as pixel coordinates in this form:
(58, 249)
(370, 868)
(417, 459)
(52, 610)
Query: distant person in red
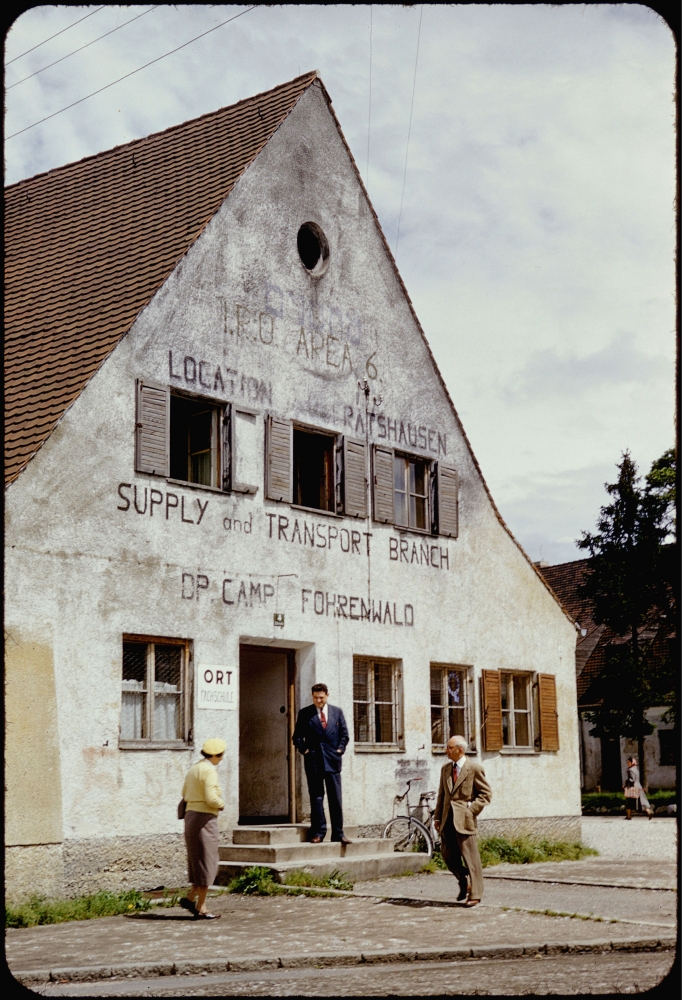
(321, 735)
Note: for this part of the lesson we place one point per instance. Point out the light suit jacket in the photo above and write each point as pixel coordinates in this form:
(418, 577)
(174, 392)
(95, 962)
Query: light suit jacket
(471, 793)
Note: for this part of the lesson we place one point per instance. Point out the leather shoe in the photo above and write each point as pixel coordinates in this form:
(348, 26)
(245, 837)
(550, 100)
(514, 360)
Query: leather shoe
(316, 840)
(463, 890)
(472, 902)
(345, 840)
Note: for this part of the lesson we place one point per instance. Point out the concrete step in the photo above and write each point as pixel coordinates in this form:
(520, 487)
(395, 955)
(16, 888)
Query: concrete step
(283, 833)
(303, 853)
(356, 868)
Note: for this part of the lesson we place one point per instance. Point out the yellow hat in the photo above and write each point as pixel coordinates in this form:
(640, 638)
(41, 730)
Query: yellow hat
(214, 747)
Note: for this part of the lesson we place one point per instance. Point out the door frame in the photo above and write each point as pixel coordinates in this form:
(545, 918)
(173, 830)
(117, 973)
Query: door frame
(291, 715)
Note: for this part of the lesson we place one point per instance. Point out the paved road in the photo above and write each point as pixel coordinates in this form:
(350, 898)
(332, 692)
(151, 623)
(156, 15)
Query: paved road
(615, 838)
(566, 975)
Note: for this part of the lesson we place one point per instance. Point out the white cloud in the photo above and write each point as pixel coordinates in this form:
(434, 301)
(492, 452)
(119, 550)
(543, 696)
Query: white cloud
(537, 234)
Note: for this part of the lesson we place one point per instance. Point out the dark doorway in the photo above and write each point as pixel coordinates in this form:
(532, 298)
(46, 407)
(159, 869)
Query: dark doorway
(611, 768)
(266, 720)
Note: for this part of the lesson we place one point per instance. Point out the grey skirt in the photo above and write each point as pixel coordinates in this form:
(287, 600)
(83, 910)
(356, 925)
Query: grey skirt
(201, 838)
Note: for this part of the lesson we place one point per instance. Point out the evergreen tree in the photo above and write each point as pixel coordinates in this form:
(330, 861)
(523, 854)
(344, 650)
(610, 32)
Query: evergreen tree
(627, 585)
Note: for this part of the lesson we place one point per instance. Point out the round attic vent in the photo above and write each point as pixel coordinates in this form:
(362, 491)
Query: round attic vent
(313, 248)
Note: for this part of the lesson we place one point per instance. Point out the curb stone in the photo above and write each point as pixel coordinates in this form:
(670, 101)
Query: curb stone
(263, 964)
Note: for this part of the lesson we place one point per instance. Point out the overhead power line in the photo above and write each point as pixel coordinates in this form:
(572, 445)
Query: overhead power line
(132, 72)
(80, 49)
(409, 129)
(46, 40)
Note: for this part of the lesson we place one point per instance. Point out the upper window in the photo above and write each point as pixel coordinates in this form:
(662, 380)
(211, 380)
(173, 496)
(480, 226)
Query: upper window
(314, 479)
(195, 437)
(411, 492)
(377, 704)
(316, 469)
(450, 704)
(414, 493)
(155, 695)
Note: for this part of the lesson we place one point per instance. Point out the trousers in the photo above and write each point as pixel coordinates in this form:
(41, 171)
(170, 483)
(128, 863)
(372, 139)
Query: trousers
(461, 849)
(318, 781)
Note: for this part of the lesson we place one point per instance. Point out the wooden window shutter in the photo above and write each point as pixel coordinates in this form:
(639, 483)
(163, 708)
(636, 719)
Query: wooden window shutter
(448, 513)
(382, 481)
(354, 478)
(492, 710)
(152, 428)
(549, 724)
(279, 459)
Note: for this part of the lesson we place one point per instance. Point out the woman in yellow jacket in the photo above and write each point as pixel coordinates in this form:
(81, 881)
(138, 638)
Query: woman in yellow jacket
(203, 797)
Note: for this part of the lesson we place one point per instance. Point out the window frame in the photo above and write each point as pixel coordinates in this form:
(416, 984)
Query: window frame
(223, 448)
(530, 712)
(371, 746)
(186, 742)
(441, 494)
(427, 496)
(336, 477)
(469, 704)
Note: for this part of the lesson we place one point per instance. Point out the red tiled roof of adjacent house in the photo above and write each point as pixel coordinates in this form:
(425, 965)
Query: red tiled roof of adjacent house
(88, 244)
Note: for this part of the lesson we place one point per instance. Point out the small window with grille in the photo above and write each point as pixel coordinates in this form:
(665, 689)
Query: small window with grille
(377, 704)
(450, 704)
(155, 697)
(517, 718)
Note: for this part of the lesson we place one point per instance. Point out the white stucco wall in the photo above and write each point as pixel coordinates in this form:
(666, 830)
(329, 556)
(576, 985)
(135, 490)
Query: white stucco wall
(82, 568)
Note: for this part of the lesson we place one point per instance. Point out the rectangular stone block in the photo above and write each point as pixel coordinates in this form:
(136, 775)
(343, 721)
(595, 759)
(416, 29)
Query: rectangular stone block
(636, 944)
(379, 957)
(320, 961)
(497, 951)
(442, 954)
(252, 964)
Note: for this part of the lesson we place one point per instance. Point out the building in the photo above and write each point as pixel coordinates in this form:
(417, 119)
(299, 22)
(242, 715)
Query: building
(206, 512)
(603, 761)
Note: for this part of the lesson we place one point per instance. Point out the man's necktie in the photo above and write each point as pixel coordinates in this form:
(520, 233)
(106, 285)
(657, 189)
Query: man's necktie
(323, 720)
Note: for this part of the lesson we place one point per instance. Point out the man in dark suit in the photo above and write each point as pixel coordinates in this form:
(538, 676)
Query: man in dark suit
(321, 735)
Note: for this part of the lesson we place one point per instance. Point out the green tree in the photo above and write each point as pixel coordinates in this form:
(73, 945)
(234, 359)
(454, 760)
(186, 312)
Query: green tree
(630, 594)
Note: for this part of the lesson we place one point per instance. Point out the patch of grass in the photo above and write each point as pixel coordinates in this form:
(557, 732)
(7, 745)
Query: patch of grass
(256, 881)
(524, 851)
(40, 910)
(335, 880)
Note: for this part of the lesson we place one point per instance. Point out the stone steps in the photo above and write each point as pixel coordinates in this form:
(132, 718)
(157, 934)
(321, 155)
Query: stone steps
(284, 847)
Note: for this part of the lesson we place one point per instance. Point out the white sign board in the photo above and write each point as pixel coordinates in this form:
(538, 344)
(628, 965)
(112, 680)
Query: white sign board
(217, 687)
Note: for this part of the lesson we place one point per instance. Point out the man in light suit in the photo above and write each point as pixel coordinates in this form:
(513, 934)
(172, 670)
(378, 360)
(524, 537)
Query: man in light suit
(462, 793)
(321, 735)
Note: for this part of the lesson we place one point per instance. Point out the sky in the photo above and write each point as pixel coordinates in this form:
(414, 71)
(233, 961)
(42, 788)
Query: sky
(534, 200)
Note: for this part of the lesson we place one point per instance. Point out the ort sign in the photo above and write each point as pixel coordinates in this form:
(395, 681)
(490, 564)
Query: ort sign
(217, 687)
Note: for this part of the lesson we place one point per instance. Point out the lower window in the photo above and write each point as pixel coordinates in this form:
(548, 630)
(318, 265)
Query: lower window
(377, 704)
(449, 704)
(155, 692)
(515, 690)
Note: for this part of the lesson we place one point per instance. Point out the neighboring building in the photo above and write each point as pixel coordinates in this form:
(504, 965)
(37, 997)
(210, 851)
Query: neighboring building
(603, 761)
(206, 514)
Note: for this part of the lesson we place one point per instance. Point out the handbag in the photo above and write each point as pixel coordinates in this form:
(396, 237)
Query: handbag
(182, 809)
(631, 792)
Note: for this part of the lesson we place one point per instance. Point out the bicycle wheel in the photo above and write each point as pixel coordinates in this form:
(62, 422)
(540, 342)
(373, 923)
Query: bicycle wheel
(408, 835)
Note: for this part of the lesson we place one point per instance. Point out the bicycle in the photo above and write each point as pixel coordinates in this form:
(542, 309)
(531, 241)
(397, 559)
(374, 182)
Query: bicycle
(407, 831)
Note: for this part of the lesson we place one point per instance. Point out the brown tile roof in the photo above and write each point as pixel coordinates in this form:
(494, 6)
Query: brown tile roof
(88, 245)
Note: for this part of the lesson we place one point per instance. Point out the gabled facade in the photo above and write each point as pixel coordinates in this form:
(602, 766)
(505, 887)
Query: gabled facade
(235, 470)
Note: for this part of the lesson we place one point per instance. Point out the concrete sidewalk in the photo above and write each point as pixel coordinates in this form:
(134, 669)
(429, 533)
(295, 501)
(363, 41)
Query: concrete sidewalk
(285, 931)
